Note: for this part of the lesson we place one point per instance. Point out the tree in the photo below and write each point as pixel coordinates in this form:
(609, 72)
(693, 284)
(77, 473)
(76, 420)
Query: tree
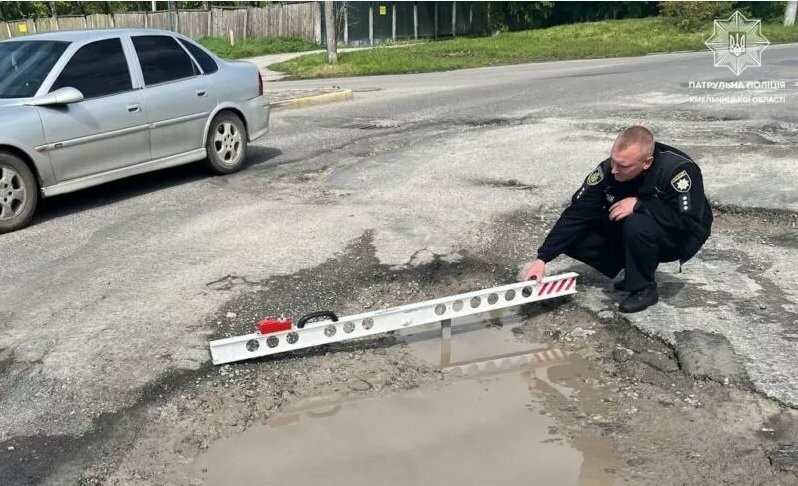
(332, 35)
(789, 13)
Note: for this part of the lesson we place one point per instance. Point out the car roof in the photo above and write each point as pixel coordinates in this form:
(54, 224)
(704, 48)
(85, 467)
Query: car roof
(88, 35)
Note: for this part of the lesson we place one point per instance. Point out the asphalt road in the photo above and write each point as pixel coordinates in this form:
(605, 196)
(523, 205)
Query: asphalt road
(115, 288)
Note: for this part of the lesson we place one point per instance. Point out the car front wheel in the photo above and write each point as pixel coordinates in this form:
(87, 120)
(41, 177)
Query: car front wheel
(227, 143)
(18, 193)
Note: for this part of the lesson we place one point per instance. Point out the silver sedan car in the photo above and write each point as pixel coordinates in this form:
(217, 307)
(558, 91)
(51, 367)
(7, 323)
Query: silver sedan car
(83, 108)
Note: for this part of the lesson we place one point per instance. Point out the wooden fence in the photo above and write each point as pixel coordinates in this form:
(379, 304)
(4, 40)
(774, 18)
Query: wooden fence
(279, 20)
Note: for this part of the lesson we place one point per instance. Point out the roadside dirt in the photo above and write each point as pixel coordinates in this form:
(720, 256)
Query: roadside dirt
(667, 425)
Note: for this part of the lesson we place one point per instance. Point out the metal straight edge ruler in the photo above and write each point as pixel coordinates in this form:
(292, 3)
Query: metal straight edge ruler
(334, 330)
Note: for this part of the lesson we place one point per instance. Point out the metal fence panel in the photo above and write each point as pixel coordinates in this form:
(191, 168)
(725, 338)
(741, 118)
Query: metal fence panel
(445, 18)
(463, 22)
(358, 13)
(404, 20)
(382, 22)
(426, 19)
(480, 19)
(297, 19)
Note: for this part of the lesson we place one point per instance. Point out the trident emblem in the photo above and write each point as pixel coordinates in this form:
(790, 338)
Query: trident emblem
(737, 43)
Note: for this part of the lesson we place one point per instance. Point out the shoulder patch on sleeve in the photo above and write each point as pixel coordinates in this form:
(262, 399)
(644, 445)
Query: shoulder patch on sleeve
(595, 177)
(681, 181)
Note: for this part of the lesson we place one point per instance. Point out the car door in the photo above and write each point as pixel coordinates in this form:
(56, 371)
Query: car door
(177, 94)
(107, 130)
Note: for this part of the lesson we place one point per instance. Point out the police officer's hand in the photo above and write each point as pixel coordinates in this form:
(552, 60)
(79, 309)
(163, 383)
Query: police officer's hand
(535, 271)
(622, 208)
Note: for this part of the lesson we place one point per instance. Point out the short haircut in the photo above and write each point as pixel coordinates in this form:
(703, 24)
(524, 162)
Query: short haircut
(636, 135)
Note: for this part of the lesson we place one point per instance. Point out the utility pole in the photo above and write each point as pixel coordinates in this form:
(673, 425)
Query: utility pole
(332, 35)
(789, 13)
(172, 9)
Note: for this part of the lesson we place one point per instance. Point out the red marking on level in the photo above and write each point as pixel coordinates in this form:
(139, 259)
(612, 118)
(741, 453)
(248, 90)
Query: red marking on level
(272, 325)
(543, 288)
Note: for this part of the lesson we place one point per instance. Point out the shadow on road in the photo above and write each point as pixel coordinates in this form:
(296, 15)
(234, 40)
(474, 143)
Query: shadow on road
(124, 189)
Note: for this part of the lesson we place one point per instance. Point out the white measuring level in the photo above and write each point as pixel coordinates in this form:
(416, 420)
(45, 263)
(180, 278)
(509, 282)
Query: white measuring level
(370, 323)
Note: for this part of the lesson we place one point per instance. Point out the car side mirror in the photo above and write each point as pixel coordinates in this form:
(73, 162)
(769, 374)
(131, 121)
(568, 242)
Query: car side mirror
(62, 96)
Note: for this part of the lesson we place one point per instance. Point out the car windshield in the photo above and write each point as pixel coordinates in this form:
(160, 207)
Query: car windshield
(25, 64)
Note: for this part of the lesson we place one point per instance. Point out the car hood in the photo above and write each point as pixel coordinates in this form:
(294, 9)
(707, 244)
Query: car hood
(12, 116)
(13, 101)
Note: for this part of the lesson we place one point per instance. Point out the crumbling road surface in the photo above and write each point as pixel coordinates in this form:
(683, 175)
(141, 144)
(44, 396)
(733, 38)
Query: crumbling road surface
(423, 186)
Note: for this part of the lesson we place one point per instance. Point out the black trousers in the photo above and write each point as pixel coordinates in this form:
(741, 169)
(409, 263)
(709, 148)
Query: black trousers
(636, 243)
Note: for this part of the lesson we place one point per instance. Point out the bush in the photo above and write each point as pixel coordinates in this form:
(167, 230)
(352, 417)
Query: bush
(764, 11)
(694, 16)
(518, 15)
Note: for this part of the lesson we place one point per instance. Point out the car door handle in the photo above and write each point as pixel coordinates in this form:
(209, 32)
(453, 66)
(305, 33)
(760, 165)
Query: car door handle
(134, 108)
(201, 92)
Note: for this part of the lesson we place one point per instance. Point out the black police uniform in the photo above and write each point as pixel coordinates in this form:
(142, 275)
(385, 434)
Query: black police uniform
(670, 222)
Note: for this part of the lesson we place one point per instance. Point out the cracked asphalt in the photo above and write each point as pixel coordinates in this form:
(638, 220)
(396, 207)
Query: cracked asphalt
(114, 291)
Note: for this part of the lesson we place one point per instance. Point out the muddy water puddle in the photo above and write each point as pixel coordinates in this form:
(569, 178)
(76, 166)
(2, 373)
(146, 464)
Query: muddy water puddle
(485, 424)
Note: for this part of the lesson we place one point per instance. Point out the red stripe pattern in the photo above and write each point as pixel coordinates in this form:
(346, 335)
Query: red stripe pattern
(551, 288)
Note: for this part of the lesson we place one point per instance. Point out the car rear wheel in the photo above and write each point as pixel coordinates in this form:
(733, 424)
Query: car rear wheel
(18, 193)
(227, 143)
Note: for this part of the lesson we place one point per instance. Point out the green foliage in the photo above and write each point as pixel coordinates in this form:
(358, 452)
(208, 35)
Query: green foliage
(256, 47)
(694, 16)
(764, 11)
(504, 15)
(630, 37)
(526, 15)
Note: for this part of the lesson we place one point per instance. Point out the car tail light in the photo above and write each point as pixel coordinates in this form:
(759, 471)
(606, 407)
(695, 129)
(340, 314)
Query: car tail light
(260, 84)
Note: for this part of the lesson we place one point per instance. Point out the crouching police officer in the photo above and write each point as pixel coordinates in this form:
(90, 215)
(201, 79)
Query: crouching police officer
(642, 206)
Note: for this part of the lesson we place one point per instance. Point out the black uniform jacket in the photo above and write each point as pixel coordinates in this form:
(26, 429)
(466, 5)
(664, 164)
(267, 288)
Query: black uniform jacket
(671, 192)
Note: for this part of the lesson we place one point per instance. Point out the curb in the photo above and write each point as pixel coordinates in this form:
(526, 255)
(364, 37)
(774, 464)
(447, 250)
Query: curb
(343, 95)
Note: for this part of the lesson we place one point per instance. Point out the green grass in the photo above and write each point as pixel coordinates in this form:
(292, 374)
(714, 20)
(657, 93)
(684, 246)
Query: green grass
(632, 37)
(256, 47)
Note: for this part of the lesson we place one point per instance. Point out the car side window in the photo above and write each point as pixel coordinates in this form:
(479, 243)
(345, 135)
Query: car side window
(205, 61)
(97, 69)
(162, 59)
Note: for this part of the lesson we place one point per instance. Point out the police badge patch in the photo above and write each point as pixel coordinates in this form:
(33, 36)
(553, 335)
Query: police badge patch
(595, 177)
(681, 182)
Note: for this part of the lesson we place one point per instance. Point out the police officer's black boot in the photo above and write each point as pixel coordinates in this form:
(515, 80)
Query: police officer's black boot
(640, 300)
